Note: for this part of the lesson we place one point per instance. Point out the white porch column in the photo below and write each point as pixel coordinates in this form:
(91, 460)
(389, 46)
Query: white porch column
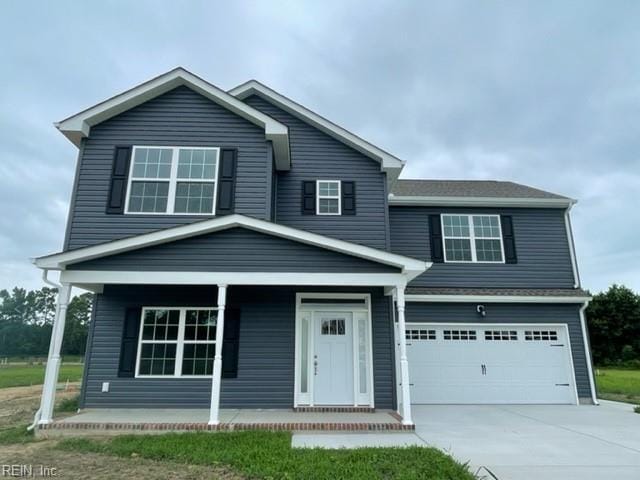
(404, 363)
(217, 359)
(48, 398)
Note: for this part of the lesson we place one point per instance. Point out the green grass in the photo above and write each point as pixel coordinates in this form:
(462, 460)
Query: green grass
(25, 375)
(618, 384)
(269, 455)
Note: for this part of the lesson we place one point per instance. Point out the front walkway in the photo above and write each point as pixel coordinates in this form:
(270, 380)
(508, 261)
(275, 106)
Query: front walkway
(119, 420)
(564, 442)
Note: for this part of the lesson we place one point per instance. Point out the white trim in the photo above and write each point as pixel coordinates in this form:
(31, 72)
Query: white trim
(472, 237)
(480, 325)
(179, 341)
(253, 87)
(330, 197)
(587, 354)
(79, 125)
(572, 248)
(231, 278)
(494, 299)
(409, 266)
(173, 180)
(307, 399)
(481, 201)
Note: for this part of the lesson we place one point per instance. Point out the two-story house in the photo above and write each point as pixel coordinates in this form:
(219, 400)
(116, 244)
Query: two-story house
(247, 253)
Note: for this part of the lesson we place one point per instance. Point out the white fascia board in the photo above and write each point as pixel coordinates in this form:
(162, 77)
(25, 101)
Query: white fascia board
(410, 266)
(79, 126)
(493, 299)
(96, 278)
(387, 161)
(481, 202)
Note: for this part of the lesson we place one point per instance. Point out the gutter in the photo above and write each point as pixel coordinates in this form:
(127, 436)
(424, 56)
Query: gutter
(440, 201)
(572, 247)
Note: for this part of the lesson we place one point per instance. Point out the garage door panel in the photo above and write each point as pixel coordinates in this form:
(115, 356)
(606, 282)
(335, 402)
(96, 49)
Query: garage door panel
(491, 364)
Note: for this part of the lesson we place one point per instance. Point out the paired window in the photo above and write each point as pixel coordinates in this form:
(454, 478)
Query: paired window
(177, 342)
(173, 180)
(472, 238)
(500, 335)
(541, 335)
(328, 197)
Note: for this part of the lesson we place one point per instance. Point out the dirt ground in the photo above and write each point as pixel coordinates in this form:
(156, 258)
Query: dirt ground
(17, 406)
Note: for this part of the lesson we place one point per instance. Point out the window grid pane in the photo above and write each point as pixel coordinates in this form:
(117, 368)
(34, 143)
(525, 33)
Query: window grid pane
(488, 251)
(458, 250)
(149, 197)
(329, 197)
(192, 197)
(152, 163)
(196, 164)
(328, 205)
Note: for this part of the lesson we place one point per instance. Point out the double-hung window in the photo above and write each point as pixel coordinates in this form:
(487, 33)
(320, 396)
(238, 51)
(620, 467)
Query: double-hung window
(328, 201)
(173, 180)
(177, 342)
(472, 238)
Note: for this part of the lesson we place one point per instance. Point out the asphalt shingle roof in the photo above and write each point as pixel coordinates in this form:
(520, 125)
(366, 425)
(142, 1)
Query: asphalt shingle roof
(467, 188)
(497, 292)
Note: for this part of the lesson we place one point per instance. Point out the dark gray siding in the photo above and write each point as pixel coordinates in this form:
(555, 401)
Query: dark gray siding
(544, 260)
(235, 250)
(179, 117)
(314, 156)
(513, 313)
(266, 352)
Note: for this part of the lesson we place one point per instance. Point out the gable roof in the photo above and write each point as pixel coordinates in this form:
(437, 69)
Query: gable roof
(473, 192)
(59, 261)
(79, 125)
(388, 162)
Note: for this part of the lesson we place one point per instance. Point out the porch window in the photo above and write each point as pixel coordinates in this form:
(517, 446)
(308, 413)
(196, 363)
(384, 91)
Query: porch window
(173, 180)
(177, 342)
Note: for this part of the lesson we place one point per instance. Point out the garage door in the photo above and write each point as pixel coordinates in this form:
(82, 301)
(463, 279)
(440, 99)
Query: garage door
(489, 364)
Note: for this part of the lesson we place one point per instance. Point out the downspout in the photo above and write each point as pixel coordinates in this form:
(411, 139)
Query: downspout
(572, 247)
(45, 279)
(587, 352)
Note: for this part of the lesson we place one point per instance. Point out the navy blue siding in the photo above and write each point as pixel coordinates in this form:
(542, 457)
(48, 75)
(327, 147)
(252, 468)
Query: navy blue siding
(513, 313)
(314, 156)
(544, 259)
(178, 117)
(266, 352)
(235, 250)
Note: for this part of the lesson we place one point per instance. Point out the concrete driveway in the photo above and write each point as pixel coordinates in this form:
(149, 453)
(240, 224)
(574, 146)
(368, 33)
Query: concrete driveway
(536, 441)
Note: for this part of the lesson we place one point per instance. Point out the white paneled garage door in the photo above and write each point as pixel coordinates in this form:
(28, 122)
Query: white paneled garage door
(491, 364)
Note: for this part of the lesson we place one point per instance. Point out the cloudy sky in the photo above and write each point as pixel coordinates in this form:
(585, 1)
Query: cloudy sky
(544, 93)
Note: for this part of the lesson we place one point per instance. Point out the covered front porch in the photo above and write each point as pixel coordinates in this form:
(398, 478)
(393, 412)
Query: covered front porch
(183, 321)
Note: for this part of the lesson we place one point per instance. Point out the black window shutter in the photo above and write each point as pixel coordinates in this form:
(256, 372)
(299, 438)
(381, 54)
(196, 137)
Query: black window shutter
(129, 345)
(119, 174)
(435, 231)
(348, 198)
(508, 239)
(227, 181)
(231, 343)
(309, 198)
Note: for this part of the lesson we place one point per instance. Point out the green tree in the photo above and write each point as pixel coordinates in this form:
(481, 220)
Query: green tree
(614, 325)
(77, 324)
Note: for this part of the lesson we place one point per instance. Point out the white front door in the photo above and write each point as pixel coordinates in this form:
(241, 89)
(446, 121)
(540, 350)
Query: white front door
(491, 364)
(333, 358)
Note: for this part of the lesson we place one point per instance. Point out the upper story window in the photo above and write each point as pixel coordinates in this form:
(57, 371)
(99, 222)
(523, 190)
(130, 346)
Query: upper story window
(472, 238)
(328, 197)
(173, 180)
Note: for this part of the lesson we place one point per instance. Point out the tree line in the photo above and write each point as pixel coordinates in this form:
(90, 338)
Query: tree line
(26, 319)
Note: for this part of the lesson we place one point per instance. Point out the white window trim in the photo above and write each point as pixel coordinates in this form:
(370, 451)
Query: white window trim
(338, 197)
(173, 180)
(180, 342)
(472, 238)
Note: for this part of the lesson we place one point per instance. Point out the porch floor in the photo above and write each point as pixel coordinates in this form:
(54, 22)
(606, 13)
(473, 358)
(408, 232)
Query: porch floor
(161, 419)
